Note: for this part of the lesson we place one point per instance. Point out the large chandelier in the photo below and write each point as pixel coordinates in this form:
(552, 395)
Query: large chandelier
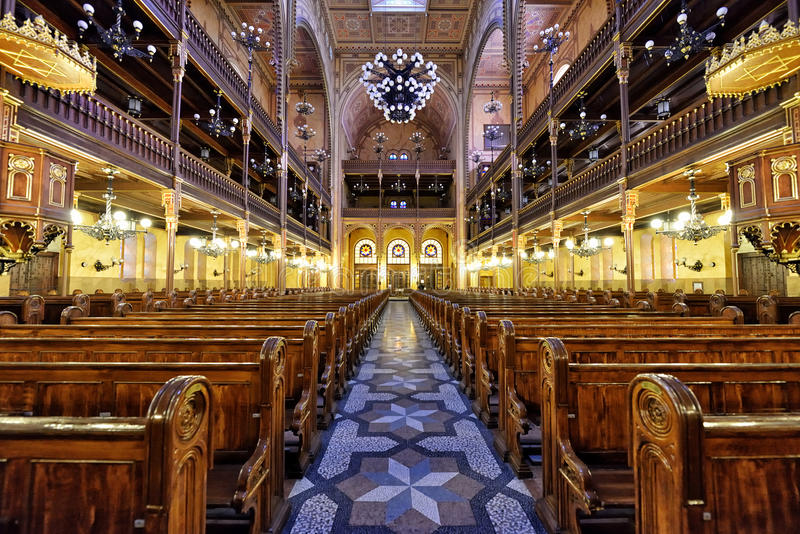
(213, 247)
(492, 106)
(589, 246)
(214, 124)
(110, 227)
(305, 107)
(264, 254)
(360, 187)
(533, 254)
(401, 86)
(690, 225)
(265, 168)
(583, 128)
(115, 37)
(689, 41)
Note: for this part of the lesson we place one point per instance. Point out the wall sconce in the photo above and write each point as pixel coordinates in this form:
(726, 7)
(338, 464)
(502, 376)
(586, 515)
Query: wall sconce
(548, 275)
(624, 270)
(134, 106)
(181, 268)
(99, 266)
(696, 266)
(218, 273)
(205, 153)
(577, 273)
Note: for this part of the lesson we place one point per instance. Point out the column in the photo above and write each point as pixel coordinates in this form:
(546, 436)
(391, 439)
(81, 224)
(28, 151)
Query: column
(66, 265)
(557, 226)
(631, 202)
(280, 282)
(242, 227)
(516, 199)
(282, 192)
(178, 56)
(247, 127)
(553, 126)
(170, 199)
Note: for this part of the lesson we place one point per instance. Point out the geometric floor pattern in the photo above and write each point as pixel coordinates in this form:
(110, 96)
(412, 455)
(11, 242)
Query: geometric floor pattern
(405, 454)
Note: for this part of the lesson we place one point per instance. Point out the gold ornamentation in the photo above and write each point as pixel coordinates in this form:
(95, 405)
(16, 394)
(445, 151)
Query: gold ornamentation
(784, 178)
(43, 56)
(746, 175)
(58, 184)
(20, 168)
(764, 59)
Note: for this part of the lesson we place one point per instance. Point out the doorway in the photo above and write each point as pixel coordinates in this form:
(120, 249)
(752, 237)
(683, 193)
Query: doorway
(38, 276)
(366, 279)
(759, 276)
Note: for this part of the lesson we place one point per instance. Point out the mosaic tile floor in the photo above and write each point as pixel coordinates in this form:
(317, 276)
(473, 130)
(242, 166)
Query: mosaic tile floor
(405, 454)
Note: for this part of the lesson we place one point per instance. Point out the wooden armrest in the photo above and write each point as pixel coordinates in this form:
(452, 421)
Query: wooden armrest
(251, 477)
(577, 478)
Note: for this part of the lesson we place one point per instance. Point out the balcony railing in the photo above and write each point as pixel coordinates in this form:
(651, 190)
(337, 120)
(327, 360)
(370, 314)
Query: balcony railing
(432, 166)
(388, 213)
(595, 178)
(210, 180)
(262, 209)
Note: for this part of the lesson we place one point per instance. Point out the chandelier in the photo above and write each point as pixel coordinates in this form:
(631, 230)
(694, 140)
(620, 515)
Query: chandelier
(263, 255)
(401, 86)
(533, 254)
(583, 128)
(476, 156)
(492, 134)
(534, 169)
(265, 168)
(689, 41)
(436, 187)
(110, 227)
(417, 138)
(115, 37)
(213, 247)
(305, 132)
(690, 225)
(320, 155)
(398, 186)
(492, 106)
(294, 194)
(214, 124)
(304, 107)
(589, 246)
(360, 187)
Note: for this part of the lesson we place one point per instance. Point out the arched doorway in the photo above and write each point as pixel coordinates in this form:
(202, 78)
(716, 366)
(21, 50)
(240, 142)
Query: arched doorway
(398, 266)
(431, 273)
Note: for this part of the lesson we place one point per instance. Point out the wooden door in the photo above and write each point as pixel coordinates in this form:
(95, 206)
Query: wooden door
(759, 276)
(37, 276)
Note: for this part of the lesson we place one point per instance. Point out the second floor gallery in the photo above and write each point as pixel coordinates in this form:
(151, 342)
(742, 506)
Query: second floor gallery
(364, 144)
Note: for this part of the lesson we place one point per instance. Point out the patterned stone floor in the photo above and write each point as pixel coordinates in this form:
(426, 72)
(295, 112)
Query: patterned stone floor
(405, 454)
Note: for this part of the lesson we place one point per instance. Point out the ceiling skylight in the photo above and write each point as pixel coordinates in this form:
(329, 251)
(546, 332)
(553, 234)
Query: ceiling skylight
(399, 5)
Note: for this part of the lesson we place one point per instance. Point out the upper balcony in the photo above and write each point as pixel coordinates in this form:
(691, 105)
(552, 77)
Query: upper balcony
(370, 167)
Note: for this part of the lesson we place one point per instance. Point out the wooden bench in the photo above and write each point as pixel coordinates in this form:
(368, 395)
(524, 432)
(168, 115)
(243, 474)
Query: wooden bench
(696, 472)
(138, 474)
(300, 387)
(585, 435)
(248, 416)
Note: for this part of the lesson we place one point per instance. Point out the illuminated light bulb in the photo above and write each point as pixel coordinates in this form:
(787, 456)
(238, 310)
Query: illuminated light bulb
(608, 242)
(76, 217)
(570, 244)
(120, 216)
(251, 252)
(657, 224)
(195, 242)
(219, 243)
(725, 219)
(551, 254)
(684, 216)
(146, 223)
(234, 244)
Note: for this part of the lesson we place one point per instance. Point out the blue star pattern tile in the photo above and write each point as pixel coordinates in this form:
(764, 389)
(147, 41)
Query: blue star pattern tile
(405, 453)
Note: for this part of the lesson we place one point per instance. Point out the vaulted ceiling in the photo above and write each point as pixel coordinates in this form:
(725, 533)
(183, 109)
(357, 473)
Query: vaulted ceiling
(433, 25)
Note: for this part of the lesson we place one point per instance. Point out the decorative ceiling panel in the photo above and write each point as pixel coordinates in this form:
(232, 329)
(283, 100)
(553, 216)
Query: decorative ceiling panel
(446, 26)
(352, 27)
(398, 28)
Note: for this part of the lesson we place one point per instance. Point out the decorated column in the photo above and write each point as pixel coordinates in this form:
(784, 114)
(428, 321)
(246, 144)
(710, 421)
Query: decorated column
(631, 202)
(557, 226)
(242, 227)
(170, 199)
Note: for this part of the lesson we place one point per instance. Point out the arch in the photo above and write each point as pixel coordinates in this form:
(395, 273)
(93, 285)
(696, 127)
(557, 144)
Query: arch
(398, 252)
(130, 253)
(150, 257)
(431, 252)
(365, 252)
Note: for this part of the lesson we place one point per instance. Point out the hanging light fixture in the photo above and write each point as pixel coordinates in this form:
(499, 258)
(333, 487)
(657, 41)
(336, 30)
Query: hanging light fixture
(533, 254)
(594, 154)
(359, 187)
(662, 109)
(134, 106)
(533, 169)
(264, 254)
(115, 37)
(399, 186)
(399, 87)
(589, 246)
(110, 226)
(213, 247)
(492, 106)
(436, 187)
(305, 132)
(205, 153)
(305, 107)
(476, 156)
(214, 124)
(689, 41)
(690, 225)
(265, 168)
(492, 134)
(583, 128)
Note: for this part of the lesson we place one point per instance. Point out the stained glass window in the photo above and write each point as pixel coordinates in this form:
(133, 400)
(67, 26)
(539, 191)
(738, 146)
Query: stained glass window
(393, 204)
(397, 253)
(403, 204)
(431, 252)
(393, 156)
(365, 252)
(403, 155)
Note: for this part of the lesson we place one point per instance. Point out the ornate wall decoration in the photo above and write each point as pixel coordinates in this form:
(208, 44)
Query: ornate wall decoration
(746, 177)
(20, 177)
(58, 184)
(784, 178)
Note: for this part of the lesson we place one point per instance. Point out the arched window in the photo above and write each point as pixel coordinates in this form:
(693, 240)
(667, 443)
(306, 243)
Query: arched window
(397, 253)
(393, 156)
(365, 252)
(393, 204)
(404, 155)
(403, 204)
(431, 252)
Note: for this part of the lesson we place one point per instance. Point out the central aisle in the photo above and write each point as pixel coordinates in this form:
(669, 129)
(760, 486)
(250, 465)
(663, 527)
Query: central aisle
(406, 452)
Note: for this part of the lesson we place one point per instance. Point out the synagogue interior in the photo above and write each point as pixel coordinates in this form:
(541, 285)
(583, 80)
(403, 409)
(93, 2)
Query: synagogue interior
(408, 266)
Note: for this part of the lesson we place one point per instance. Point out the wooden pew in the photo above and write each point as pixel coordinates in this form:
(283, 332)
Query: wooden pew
(300, 386)
(696, 472)
(246, 483)
(137, 474)
(585, 439)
